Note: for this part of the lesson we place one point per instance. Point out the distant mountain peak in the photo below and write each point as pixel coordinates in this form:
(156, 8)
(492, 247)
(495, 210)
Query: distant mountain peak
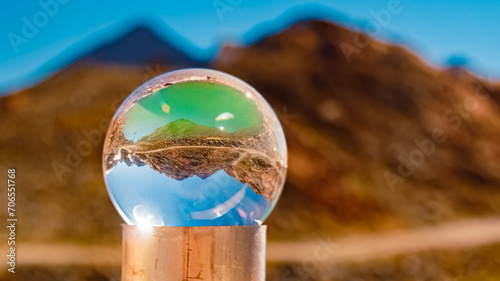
(138, 47)
(183, 128)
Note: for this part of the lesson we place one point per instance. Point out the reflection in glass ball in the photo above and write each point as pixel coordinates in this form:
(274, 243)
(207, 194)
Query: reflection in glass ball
(194, 147)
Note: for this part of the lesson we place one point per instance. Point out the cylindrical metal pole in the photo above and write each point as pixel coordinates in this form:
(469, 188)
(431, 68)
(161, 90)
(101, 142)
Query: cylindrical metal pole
(209, 253)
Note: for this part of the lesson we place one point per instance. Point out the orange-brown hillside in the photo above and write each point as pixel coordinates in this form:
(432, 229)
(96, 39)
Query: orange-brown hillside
(348, 122)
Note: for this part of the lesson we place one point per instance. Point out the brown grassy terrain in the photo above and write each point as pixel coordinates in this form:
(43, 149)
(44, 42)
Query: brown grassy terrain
(348, 124)
(480, 263)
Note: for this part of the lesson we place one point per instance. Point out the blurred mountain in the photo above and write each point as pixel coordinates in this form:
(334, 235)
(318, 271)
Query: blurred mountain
(377, 138)
(138, 47)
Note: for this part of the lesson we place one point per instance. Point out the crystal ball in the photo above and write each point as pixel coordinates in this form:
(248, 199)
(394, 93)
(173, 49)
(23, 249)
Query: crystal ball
(194, 147)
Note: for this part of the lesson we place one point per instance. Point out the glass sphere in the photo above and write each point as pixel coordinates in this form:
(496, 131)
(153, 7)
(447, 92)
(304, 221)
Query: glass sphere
(194, 147)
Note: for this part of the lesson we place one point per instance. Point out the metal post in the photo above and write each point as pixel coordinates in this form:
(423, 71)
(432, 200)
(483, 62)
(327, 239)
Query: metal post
(209, 253)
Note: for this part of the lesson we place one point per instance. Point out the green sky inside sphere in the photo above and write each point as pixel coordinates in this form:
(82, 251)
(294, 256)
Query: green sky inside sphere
(201, 102)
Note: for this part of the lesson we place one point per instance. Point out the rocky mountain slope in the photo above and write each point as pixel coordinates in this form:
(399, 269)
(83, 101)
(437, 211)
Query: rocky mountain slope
(377, 138)
(375, 134)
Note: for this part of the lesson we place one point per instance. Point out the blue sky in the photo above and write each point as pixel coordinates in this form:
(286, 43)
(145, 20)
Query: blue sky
(437, 30)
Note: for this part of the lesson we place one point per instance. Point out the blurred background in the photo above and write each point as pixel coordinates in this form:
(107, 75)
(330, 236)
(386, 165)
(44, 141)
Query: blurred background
(391, 110)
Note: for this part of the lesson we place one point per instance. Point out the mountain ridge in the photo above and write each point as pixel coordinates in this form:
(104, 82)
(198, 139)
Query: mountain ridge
(183, 128)
(140, 45)
(300, 13)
